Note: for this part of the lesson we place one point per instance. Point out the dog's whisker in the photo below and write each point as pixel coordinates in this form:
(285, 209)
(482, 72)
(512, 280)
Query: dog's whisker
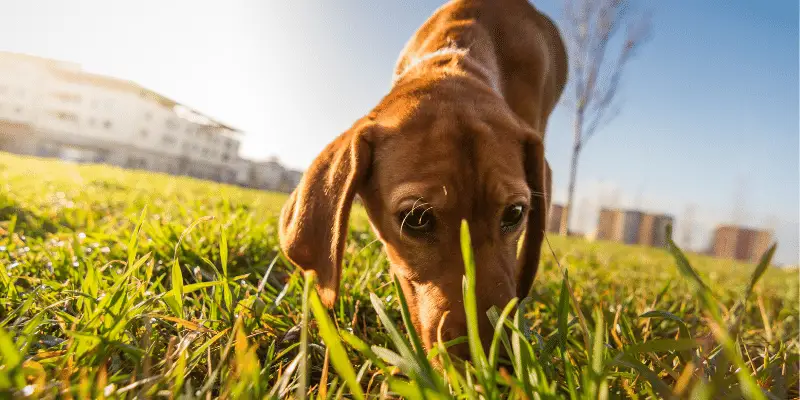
(413, 208)
(424, 211)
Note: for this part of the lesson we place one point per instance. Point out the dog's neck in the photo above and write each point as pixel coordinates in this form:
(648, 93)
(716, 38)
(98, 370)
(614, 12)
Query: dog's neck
(448, 61)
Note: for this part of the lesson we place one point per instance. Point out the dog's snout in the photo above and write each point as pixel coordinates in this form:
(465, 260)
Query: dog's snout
(442, 317)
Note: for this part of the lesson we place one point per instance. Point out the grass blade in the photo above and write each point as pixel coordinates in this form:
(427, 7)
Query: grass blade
(338, 355)
(223, 250)
(763, 264)
(672, 317)
(739, 309)
(598, 354)
(520, 358)
(410, 365)
(498, 330)
(750, 388)
(177, 287)
(701, 289)
(304, 356)
(663, 390)
(416, 343)
(470, 301)
(10, 359)
(133, 242)
(661, 345)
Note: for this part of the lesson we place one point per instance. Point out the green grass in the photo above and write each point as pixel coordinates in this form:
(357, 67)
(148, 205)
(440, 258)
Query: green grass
(122, 284)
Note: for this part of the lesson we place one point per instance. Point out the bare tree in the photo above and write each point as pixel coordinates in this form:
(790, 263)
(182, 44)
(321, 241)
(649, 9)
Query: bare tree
(596, 67)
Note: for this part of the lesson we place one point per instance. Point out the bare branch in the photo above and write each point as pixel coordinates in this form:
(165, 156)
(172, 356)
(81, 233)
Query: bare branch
(607, 16)
(577, 13)
(597, 61)
(637, 32)
(600, 120)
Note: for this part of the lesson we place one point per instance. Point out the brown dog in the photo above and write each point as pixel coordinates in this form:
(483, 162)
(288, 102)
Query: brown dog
(459, 136)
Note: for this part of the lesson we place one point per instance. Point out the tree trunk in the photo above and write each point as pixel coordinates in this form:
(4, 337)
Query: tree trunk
(573, 172)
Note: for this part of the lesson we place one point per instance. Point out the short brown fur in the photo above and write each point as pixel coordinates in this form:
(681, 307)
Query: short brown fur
(462, 133)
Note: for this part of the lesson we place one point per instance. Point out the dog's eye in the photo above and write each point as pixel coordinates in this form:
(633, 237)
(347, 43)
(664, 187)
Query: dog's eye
(512, 215)
(417, 220)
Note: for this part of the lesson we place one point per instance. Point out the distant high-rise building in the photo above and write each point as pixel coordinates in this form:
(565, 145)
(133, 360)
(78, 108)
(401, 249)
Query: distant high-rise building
(762, 243)
(740, 243)
(607, 224)
(647, 230)
(632, 227)
(554, 219)
(725, 242)
(660, 230)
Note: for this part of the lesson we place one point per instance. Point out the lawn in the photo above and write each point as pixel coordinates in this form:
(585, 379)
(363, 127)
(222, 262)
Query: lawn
(120, 284)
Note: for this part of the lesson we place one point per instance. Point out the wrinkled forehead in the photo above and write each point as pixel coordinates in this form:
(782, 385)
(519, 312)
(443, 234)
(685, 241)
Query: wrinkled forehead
(451, 162)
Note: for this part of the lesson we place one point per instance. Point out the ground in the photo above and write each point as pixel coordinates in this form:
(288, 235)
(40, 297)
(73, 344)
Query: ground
(120, 284)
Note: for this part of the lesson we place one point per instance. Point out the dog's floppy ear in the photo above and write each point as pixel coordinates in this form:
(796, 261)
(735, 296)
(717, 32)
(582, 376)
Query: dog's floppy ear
(539, 178)
(313, 222)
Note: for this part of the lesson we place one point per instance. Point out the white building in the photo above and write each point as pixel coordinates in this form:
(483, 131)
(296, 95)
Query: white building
(268, 175)
(55, 109)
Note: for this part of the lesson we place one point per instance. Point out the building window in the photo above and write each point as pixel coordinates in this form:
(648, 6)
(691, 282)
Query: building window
(226, 157)
(64, 116)
(143, 133)
(136, 162)
(67, 97)
(18, 110)
(107, 124)
(205, 152)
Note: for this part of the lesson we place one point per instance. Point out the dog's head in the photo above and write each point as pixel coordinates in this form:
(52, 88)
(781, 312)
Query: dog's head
(431, 154)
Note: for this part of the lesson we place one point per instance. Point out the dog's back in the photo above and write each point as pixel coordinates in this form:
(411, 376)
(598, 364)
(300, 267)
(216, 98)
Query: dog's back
(514, 48)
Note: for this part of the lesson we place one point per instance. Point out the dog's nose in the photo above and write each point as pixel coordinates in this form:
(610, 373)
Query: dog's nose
(459, 330)
(460, 350)
(454, 332)
(450, 331)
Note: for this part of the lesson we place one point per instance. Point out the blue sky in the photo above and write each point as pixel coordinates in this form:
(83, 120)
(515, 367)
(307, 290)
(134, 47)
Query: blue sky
(710, 105)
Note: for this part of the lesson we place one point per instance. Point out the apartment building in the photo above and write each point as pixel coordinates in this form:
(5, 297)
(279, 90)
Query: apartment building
(267, 175)
(740, 243)
(51, 108)
(633, 227)
(554, 218)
